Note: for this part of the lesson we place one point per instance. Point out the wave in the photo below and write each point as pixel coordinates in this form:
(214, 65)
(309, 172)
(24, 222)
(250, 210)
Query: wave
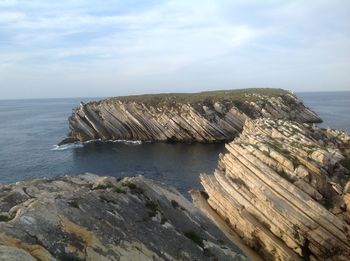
(68, 146)
(82, 144)
(130, 142)
(90, 141)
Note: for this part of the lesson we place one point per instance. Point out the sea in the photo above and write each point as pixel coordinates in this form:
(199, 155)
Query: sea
(30, 130)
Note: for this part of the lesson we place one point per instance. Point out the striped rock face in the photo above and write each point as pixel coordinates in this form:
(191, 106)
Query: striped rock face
(283, 187)
(202, 117)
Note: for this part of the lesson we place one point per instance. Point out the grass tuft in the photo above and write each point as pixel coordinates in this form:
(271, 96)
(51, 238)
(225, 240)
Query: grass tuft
(345, 163)
(194, 237)
(6, 217)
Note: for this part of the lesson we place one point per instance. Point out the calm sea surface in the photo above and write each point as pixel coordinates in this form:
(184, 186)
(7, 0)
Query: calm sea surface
(332, 107)
(30, 128)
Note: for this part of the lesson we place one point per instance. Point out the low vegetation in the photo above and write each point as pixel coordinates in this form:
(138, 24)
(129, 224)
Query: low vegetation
(345, 163)
(279, 148)
(202, 97)
(133, 188)
(284, 175)
(194, 237)
(6, 217)
(174, 204)
(118, 188)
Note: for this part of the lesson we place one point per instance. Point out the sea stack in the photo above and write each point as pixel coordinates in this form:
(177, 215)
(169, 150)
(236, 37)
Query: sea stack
(198, 117)
(283, 188)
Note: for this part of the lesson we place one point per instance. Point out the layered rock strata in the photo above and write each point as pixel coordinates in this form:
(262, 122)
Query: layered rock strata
(284, 189)
(201, 117)
(87, 217)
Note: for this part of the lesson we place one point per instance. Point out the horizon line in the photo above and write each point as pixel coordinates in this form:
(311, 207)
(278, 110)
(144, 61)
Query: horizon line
(111, 96)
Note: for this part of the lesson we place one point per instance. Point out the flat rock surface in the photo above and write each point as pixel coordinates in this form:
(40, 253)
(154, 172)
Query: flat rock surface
(88, 217)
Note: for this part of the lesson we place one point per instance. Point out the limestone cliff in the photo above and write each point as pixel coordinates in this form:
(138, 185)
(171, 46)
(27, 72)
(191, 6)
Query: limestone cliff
(283, 188)
(202, 117)
(87, 217)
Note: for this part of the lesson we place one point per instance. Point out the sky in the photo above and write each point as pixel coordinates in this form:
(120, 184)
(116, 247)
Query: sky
(94, 48)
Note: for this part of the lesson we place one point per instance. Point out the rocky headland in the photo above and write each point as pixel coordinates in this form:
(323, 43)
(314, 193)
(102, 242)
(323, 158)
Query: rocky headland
(280, 192)
(282, 189)
(88, 217)
(201, 117)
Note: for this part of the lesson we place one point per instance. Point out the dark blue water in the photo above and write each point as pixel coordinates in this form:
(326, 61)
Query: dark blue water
(30, 128)
(332, 107)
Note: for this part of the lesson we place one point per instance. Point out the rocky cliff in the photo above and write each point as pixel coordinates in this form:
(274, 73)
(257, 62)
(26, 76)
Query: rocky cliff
(202, 117)
(87, 217)
(283, 189)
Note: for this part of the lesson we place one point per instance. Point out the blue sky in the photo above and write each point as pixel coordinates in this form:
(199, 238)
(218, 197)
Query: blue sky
(108, 48)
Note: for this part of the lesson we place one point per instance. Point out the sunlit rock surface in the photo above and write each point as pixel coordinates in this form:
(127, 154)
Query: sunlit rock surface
(283, 188)
(200, 117)
(87, 217)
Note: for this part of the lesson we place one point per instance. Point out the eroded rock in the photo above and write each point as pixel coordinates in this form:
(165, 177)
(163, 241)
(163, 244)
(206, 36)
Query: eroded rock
(201, 117)
(282, 187)
(87, 217)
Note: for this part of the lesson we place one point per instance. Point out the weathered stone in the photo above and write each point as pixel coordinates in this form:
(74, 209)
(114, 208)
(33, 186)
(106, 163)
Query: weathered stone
(87, 217)
(209, 117)
(347, 188)
(14, 254)
(281, 190)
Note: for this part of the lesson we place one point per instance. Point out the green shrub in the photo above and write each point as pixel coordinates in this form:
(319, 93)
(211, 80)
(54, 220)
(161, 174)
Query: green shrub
(238, 97)
(174, 204)
(6, 217)
(194, 237)
(152, 205)
(284, 175)
(134, 188)
(345, 163)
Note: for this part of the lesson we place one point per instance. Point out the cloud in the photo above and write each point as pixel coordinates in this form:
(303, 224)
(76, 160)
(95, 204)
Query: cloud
(6, 3)
(163, 35)
(158, 44)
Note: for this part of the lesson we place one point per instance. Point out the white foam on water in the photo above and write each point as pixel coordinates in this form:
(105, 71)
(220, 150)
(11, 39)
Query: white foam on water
(68, 146)
(129, 142)
(81, 144)
(90, 141)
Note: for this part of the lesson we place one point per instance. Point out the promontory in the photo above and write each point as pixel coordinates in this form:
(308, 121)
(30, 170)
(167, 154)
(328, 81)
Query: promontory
(184, 117)
(283, 188)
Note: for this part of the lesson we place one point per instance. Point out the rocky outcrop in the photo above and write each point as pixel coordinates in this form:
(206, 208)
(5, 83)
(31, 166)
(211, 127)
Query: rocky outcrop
(88, 217)
(283, 188)
(201, 117)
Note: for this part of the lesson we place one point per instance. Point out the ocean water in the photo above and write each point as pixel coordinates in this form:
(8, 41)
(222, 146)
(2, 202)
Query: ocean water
(29, 129)
(332, 107)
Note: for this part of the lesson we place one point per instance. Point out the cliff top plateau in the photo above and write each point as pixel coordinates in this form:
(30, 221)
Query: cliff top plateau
(195, 117)
(251, 94)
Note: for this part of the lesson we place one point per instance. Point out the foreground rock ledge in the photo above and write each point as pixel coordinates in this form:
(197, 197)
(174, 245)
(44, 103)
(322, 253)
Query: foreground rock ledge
(87, 217)
(198, 117)
(284, 190)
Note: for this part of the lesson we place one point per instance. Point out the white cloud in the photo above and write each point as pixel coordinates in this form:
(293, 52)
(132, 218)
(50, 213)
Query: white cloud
(8, 17)
(6, 3)
(174, 35)
(173, 41)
